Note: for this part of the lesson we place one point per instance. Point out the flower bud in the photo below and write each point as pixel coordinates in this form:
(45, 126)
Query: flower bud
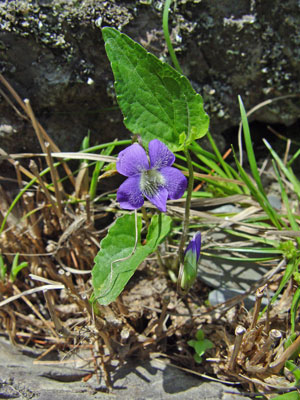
(191, 258)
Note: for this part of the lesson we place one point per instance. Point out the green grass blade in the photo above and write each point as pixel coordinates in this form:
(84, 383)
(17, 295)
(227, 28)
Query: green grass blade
(293, 158)
(254, 239)
(240, 259)
(289, 270)
(291, 218)
(197, 149)
(294, 308)
(99, 165)
(195, 165)
(256, 193)
(287, 171)
(249, 148)
(219, 156)
(261, 250)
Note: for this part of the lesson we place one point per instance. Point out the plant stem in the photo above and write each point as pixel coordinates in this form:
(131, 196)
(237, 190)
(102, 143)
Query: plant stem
(145, 216)
(186, 220)
(147, 221)
(167, 35)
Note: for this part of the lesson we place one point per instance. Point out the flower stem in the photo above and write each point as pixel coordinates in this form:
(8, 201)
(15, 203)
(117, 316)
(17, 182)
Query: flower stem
(147, 222)
(167, 35)
(145, 216)
(186, 220)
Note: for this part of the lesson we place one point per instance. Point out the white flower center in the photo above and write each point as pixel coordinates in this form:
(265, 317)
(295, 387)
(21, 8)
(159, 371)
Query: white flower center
(151, 181)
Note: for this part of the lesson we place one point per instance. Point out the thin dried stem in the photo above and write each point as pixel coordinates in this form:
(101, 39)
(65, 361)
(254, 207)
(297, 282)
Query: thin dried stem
(28, 198)
(55, 179)
(88, 208)
(239, 333)
(271, 341)
(35, 171)
(13, 93)
(287, 150)
(57, 323)
(259, 295)
(31, 291)
(41, 130)
(277, 365)
(166, 302)
(18, 173)
(37, 313)
(35, 124)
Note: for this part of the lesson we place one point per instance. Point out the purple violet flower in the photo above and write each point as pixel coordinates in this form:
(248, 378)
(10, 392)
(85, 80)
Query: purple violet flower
(154, 178)
(191, 258)
(194, 246)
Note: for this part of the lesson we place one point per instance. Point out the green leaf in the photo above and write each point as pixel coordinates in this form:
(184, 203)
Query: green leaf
(197, 358)
(295, 371)
(192, 343)
(110, 279)
(156, 100)
(3, 269)
(200, 334)
(288, 396)
(294, 308)
(202, 346)
(16, 267)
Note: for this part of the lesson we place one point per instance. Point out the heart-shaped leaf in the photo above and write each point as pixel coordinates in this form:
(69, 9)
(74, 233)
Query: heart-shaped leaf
(109, 278)
(156, 100)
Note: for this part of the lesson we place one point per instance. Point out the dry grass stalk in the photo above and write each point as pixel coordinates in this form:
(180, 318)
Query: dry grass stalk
(36, 173)
(55, 180)
(259, 295)
(39, 129)
(239, 333)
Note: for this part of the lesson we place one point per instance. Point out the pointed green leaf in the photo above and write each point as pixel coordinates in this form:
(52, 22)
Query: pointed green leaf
(110, 279)
(156, 100)
(198, 359)
(202, 346)
(200, 335)
(288, 396)
(192, 343)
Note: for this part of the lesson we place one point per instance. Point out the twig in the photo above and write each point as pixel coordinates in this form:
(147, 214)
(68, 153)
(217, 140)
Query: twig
(57, 323)
(259, 295)
(28, 198)
(34, 169)
(31, 291)
(239, 333)
(55, 178)
(277, 365)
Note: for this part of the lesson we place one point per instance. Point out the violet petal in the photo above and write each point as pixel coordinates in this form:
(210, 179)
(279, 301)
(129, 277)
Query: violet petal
(175, 182)
(160, 156)
(129, 195)
(195, 245)
(132, 161)
(159, 199)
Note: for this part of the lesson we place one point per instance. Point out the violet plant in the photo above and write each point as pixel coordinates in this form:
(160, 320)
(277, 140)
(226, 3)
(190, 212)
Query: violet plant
(161, 107)
(157, 180)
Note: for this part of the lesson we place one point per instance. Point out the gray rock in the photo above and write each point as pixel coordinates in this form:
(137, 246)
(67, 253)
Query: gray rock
(221, 295)
(231, 274)
(21, 379)
(51, 52)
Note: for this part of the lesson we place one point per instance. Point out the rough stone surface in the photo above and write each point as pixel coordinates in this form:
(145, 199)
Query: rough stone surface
(21, 379)
(51, 52)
